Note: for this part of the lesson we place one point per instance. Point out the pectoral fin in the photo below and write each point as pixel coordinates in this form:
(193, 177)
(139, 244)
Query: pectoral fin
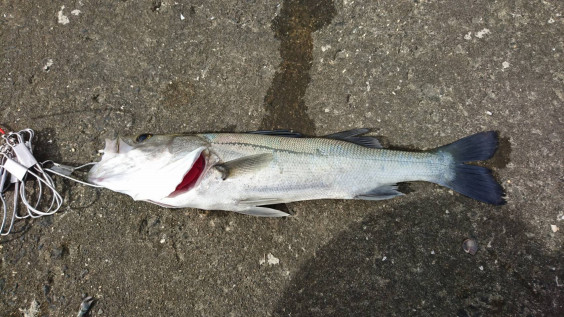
(247, 164)
(262, 212)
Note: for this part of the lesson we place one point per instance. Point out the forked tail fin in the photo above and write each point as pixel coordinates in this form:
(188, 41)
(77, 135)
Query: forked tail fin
(470, 180)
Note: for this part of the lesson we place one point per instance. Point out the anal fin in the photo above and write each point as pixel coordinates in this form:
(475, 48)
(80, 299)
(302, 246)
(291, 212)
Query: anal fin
(262, 212)
(381, 193)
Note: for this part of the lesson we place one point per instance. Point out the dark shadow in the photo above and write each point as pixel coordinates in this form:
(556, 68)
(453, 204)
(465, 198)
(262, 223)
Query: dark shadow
(46, 146)
(21, 227)
(408, 261)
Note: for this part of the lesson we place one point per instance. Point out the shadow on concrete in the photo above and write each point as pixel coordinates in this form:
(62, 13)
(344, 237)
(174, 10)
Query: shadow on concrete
(408, 260)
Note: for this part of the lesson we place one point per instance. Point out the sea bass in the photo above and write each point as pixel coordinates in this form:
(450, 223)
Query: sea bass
(244, 172)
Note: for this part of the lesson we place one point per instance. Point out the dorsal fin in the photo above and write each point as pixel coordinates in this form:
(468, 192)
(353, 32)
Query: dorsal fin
(353, 136)
(348, 133)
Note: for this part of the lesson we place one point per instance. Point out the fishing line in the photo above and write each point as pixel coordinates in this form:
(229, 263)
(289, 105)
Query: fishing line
(34, 188)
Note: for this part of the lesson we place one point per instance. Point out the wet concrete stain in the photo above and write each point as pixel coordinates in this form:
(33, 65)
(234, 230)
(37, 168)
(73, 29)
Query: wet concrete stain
(284, 100)
(502, 156)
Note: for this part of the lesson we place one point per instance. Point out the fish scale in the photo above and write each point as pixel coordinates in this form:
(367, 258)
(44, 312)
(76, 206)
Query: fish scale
(316, 168)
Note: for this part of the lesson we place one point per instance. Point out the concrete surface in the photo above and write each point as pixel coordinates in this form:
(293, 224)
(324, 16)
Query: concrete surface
(421, 73)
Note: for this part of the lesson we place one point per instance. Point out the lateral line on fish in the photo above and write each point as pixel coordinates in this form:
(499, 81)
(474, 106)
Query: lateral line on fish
(350, 157)
(260, 146)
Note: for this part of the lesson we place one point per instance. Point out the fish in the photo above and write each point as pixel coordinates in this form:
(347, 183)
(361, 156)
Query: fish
(248, 172)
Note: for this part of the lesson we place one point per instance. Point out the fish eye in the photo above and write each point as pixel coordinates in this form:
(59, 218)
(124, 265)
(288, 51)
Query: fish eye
(143, 137)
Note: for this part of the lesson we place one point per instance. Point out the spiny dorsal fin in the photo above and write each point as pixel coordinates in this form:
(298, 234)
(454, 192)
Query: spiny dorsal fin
(353, 136)
(243, 165)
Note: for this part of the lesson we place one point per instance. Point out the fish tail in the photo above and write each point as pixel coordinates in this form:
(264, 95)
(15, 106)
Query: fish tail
(474, 181)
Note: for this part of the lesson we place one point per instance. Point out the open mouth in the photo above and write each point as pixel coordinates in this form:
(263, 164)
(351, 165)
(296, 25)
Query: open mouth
(191, 177)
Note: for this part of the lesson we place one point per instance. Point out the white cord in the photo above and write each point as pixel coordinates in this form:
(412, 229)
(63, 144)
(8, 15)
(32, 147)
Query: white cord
(69, 170)
(19, 166)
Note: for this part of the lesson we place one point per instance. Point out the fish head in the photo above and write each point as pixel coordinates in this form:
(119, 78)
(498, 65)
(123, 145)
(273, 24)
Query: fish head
(150, 167)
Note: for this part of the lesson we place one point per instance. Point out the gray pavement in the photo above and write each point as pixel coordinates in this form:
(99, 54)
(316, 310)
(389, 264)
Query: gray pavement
(420, 73)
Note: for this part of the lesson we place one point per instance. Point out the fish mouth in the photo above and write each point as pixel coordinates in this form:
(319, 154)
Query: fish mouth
(147, 174)
(116, 146)
(191, 177)
(112, 148)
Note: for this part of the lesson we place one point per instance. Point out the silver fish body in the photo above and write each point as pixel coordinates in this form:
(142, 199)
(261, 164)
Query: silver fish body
(243, 171)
